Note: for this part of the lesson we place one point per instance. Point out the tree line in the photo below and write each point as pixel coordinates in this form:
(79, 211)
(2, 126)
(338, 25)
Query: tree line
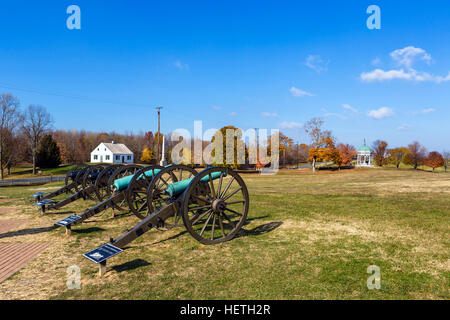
(27, 135)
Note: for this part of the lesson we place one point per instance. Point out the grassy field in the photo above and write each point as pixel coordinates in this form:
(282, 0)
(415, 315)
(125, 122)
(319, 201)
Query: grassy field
(27, 172)
(308, 237)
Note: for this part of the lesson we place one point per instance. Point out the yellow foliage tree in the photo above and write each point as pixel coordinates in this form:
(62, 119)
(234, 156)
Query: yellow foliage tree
(147, 155)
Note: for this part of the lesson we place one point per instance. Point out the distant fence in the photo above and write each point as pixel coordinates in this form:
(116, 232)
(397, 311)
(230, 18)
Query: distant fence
(30, 181)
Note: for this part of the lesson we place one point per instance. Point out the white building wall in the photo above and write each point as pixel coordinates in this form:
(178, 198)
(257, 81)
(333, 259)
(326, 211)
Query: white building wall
(102, 154)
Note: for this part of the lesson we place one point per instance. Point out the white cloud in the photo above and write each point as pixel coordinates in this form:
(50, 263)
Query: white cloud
(299, 92)
(405, 59)
(216, 107)
(425, 111)
(381, 113)
(404, 127)
(316, 63)
(182, 66)
(407, 56)
(408, 75)
(269, 114)
(349, 107)
(291, 125)
(232, 114)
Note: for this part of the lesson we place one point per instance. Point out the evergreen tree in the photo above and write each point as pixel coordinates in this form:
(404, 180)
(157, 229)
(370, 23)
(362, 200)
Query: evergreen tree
(48, 154)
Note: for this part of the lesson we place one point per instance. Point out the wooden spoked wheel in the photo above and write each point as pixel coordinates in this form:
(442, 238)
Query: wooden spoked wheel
(101, 183)
(71, 176)
(137, 189)
(157, 197)
(214, 210)
(89, 178)
(79, 178)
(121, 172)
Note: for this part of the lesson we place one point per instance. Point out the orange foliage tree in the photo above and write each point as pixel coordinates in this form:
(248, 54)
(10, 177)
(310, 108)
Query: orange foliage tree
(434, 160)
(346, 152)
(380, 152)
(326, 151)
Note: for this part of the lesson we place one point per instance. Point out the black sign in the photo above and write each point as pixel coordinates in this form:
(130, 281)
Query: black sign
(102, 253)
(44, 202)
(68, 221)
(38, 194)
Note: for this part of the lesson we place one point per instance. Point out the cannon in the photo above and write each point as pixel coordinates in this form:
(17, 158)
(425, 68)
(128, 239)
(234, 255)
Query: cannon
(114, 195)
(91, 186)
(72, 184)
(212, 205)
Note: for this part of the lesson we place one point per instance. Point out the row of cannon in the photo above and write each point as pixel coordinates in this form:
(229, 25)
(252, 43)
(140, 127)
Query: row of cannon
(212, 204)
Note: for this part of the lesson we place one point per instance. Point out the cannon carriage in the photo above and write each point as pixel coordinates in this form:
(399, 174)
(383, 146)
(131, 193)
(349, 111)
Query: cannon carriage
(114, 196)
(212, 205)
(88, 183)
(72, 183)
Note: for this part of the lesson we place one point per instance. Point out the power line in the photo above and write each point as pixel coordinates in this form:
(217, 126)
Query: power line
(62, 95)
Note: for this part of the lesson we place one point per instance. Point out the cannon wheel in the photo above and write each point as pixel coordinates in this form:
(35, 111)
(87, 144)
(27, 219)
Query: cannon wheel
(87, 182)
(101, 184)
(157, 198)
(79, 178)
(215, 210)
(68, 178)
(121, 172)
(137, 189)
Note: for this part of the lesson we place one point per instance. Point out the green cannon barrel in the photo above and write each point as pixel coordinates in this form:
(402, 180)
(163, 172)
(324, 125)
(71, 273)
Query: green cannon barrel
(176, 188)
(122, 183)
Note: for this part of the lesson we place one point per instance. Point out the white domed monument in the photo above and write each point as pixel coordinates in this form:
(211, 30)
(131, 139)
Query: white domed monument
(365, 156)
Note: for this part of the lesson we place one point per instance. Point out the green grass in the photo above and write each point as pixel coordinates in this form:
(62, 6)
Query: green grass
(308, 237)
(27, 172)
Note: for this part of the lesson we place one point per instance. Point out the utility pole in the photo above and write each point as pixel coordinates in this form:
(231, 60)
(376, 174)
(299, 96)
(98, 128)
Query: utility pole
(159, 134)
(256, 148)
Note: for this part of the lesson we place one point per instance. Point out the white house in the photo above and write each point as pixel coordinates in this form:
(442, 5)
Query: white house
(112, 153)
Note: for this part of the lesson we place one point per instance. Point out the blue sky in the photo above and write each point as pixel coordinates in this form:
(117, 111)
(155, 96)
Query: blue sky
(266, 64)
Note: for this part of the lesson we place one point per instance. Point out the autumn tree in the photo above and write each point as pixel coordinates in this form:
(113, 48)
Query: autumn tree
(285, 146)
(47, 155)
(233, 155)
(302, 153)
(434, 160)
(319, 140)
(347, 153)
(147, 155)
(380, 152)
(10, 118)
(326, 152)
(416, 155)
(397, 156)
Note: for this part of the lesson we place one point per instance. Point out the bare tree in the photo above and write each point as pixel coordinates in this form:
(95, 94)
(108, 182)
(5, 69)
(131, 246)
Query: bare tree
(380, 152)
(10, 118)
(37, 121)
(446, 155)
(417, 154)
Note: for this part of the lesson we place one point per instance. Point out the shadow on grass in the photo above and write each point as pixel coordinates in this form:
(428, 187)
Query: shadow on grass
(244, 232)
(87, 230)
(26, 232)
(116, 216)
(130, 265)
(59, 212)
(262, 229)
